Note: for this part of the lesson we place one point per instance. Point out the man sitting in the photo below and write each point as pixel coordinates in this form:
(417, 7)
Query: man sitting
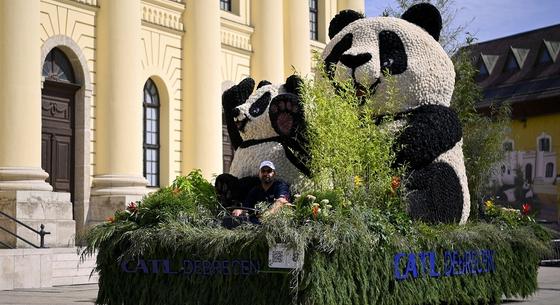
(275, 192)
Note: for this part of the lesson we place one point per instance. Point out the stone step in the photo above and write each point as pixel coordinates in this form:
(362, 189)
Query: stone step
(39, 268)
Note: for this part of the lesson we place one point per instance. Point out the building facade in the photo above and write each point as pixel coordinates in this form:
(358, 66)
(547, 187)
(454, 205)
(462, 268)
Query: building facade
(103, 100)
(523, 71)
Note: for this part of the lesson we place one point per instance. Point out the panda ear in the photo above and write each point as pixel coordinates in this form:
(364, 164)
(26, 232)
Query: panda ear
(263, 83)
(426, 16)
(293, 84)
(341, 20)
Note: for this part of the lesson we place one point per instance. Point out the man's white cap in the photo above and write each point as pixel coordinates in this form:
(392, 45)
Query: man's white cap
(267, 164)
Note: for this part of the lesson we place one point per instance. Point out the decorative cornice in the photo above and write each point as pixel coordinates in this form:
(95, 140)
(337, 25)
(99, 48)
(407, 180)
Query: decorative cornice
(164, 13)
(87, 2)
(236, 35)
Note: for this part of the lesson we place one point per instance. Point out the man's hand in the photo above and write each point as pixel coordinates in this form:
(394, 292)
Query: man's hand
(238, 212)
(277, 205)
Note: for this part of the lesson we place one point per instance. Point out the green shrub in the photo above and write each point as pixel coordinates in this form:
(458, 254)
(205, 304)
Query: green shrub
(350, 153)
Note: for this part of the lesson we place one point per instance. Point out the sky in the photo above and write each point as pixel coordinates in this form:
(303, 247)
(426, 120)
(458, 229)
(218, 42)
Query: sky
(491, 19)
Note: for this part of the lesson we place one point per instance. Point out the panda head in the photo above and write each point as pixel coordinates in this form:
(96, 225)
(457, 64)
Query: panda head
(255, 121)
(363, 50)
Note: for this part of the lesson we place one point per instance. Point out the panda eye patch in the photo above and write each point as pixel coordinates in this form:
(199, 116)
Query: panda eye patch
(260, 105)
(392, 54)
(342, 46)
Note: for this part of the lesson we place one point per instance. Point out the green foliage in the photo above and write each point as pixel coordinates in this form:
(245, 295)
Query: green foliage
(482, 136)
(188, 196)
(347, 261)
(350, 154)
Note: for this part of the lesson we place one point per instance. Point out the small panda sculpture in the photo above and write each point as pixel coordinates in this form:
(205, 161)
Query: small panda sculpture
(265, 125)
(363, 50)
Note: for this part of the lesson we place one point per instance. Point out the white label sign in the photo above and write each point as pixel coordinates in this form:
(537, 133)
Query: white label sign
(280, 256)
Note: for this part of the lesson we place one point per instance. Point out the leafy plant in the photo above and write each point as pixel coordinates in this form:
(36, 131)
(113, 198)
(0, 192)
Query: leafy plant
(350, 153)
(482, 135)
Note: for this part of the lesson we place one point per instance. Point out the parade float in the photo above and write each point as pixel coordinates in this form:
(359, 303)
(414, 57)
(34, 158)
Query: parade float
(382, 212)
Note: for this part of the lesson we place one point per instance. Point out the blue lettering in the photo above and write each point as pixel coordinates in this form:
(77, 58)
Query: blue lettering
(235, 267)
(225, 267)
(255, 267)
(217, 266)
(491, 259)
(245, 267)
(142, 265)
(188, 267)
(207, 268)
(124, 267)
(447, 263)
(422, 256)
(197, 267)
(433, 272)
(467, 263)
(411, 266)
(457, 263)
(396, 261)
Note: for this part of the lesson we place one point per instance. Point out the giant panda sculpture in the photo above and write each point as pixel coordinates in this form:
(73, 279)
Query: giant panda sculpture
(265, 125)
(363, 51)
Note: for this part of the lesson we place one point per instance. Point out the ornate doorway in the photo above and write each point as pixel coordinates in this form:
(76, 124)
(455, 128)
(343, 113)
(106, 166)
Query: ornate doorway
(58, 121)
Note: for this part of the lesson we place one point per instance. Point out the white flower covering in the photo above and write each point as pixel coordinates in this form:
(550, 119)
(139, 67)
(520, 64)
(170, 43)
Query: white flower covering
(430, 76)
(428, 80)
(246, 160)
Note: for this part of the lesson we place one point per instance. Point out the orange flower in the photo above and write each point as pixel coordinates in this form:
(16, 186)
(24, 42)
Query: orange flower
(110, 219)
(395, 183)
(176, 191)
(315, 211)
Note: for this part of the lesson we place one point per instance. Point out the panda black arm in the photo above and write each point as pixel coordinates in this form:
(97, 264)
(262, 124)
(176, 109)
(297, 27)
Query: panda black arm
(431, 130)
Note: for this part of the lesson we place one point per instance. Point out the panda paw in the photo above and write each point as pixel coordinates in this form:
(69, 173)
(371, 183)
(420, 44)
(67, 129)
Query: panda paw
(226, 187)
(286, 114)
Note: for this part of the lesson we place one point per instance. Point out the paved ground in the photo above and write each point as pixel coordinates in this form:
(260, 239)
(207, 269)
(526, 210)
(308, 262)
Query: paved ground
(549, 289)
(548, 293)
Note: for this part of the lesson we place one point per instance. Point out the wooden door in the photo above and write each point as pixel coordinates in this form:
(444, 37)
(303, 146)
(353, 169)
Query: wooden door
(58, 134)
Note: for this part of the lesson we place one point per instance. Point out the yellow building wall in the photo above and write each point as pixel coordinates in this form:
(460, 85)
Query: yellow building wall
(162, 32)
(525, 136)
(525, 133)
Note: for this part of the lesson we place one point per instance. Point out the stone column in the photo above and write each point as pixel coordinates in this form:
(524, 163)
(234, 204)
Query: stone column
(20, 99)
(267, 61)
(202, 111)
(24, 194)
(297, 52)
(357, 5)
(118, 117)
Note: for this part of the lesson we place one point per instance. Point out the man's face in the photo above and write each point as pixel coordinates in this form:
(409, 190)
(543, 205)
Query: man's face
(266, 174)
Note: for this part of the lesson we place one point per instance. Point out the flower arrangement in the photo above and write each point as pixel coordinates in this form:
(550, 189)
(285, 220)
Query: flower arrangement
(501, 215)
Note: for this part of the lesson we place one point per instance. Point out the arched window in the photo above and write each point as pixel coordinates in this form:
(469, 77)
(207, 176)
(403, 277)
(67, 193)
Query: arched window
(57, 67)
(549, 170)
(544, 143)
(151, 133)
(529, 173)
